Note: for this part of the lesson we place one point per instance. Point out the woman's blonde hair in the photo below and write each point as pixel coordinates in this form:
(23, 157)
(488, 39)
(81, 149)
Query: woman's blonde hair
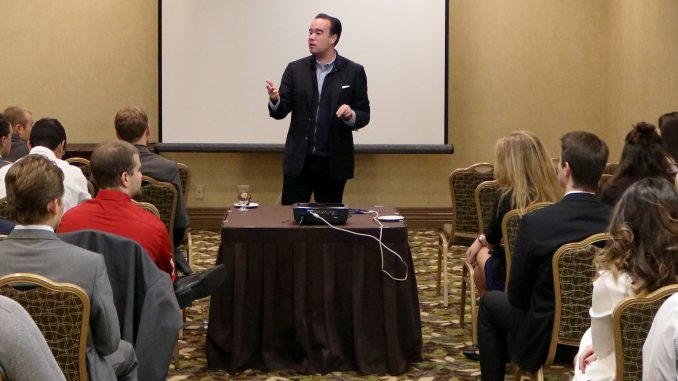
(524, 170)
(644, 236)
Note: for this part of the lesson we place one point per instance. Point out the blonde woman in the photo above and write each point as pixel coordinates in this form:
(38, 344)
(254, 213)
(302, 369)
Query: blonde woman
(641, 257)
(525, 173)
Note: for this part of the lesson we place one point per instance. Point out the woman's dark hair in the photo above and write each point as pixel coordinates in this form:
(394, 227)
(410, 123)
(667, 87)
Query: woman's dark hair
(668, 125)
(643, 154)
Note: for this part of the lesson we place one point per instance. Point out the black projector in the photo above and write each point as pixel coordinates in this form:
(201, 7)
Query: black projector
(336, 214)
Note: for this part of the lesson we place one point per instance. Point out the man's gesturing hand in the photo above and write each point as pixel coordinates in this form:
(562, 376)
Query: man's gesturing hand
(344, 112)
(272, 91)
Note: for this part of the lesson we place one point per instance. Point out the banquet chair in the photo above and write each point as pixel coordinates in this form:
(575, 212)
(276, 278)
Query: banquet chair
(464, 227)
(185, 175)
(4, 211)
(573, 271)
(61, 312)
(83, 164)
(147, 206)
(486, 197)
(611, 169)
(632, 321)
(509, 230)
(163, 195)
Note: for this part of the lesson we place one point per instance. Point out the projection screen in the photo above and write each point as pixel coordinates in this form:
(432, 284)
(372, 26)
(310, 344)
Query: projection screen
(215, 56)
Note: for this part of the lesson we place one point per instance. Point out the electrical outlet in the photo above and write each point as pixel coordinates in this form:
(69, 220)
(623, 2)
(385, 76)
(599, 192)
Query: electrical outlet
(199, 192)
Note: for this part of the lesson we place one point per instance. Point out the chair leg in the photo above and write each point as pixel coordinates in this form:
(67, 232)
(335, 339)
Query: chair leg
(474, 307)
(446, 284)
(177, 365)
(442, 245)
(518, 374)
(462, 303)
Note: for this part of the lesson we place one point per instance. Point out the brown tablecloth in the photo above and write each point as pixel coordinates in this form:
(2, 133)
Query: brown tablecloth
(312, 298)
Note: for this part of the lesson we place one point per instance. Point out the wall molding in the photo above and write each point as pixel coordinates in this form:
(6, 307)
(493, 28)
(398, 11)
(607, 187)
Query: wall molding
(430, 217)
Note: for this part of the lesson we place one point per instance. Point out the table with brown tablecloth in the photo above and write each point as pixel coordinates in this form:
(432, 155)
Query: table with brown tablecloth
(312, 298)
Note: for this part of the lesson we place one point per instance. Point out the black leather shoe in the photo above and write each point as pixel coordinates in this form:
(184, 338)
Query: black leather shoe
(181, 263)
(197, 286)
(472, 354)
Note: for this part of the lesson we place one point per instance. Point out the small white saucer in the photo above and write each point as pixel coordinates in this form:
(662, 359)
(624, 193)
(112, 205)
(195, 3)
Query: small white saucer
(390, 218)
(251, 205)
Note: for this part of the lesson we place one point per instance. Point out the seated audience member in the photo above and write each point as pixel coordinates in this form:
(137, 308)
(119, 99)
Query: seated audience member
(131, 125)
(22, 122)
(642, 156)
(116, 171)
(525, 174)
(668, 128)
(48, 139)
(5, 140)
(35, 188)
(24, 354)
(517, 324)
(660, 360)
(641, 257)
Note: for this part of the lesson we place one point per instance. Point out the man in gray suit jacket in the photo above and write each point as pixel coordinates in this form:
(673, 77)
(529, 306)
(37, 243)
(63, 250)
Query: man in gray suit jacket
(34, 192)
(131, 125)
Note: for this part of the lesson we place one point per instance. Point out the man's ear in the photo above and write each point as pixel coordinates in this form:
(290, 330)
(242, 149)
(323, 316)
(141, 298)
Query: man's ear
(53, 206)
(30, 146)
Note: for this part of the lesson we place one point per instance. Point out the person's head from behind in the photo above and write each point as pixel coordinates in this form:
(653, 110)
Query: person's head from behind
(644, 230)
(21, 120)
(35, 187)
(323, 35)
(643, 154)
(5, 136)
(116, 165)
(583, 157)
(131, 125)
(668, 127)
(49, 133)
(524, 168)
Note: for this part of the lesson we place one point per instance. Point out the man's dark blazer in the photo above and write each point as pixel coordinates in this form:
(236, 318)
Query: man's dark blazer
(19, 148)
(530, 288)
(297, 89)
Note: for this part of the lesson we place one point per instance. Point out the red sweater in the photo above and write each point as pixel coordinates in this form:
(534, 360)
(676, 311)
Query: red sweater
(113, 212)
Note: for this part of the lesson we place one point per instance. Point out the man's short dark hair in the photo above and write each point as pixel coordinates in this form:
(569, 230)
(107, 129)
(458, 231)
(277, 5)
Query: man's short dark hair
(335, 25)
(47, 132)
(32, 183)
(109, 161)
(131, 123)
(5, 126)
(587, 156)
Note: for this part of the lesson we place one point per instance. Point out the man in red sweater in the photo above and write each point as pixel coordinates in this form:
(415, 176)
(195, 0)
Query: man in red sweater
(116, 169)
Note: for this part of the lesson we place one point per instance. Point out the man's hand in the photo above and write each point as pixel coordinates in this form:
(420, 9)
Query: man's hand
(273, 93)
(344, 112)
(586, 358)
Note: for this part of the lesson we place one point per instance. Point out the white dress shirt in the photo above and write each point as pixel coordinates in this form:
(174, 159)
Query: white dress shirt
(661, 345)
(75, 183)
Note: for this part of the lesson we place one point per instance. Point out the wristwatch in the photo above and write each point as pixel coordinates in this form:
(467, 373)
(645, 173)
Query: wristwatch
(482, 240)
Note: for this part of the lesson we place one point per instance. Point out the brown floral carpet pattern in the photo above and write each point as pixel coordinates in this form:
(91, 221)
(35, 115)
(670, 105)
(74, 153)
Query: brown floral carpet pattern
(443, 336)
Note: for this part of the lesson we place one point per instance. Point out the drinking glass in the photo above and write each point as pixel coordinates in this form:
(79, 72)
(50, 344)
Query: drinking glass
(244, 196)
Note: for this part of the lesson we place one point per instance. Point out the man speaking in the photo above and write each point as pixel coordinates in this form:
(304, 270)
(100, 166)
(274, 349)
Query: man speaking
(327, 95)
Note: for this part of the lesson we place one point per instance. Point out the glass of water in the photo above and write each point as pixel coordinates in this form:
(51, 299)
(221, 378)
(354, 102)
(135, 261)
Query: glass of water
(244, 196)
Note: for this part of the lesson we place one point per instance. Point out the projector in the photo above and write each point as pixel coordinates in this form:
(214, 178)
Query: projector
(336, 214)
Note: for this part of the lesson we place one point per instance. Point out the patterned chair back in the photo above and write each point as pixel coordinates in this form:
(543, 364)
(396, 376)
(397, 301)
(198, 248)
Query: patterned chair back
(147, 206)
(487, 195)
(4, 210)
(509, 231)
(83, 164)
(611, 169)
(164, 196)
(61, 312)
(573, 272)
(185, 175)
(463, 183)
(604, 179)
(632, 321)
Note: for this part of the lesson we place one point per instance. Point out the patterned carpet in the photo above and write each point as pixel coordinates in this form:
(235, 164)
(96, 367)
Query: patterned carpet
(443, 336)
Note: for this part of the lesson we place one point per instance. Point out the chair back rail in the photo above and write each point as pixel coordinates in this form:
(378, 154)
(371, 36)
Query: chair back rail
(487, 195)
(185, 175)
(164, 196)
(463, 182)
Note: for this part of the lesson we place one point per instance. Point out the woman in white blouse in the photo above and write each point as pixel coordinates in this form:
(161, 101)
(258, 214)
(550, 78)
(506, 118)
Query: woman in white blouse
(641, 257)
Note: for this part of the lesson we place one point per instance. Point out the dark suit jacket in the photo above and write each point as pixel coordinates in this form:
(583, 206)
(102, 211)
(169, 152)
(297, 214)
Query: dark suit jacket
(530, 288)
(19, 149)
(42, 252)
(144, 298)
(162, 169)
(297, 86)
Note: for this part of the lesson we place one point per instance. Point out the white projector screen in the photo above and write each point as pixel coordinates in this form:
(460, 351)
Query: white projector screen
(216, 55)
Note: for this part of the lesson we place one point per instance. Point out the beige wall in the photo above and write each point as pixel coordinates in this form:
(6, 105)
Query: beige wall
(545, 66)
